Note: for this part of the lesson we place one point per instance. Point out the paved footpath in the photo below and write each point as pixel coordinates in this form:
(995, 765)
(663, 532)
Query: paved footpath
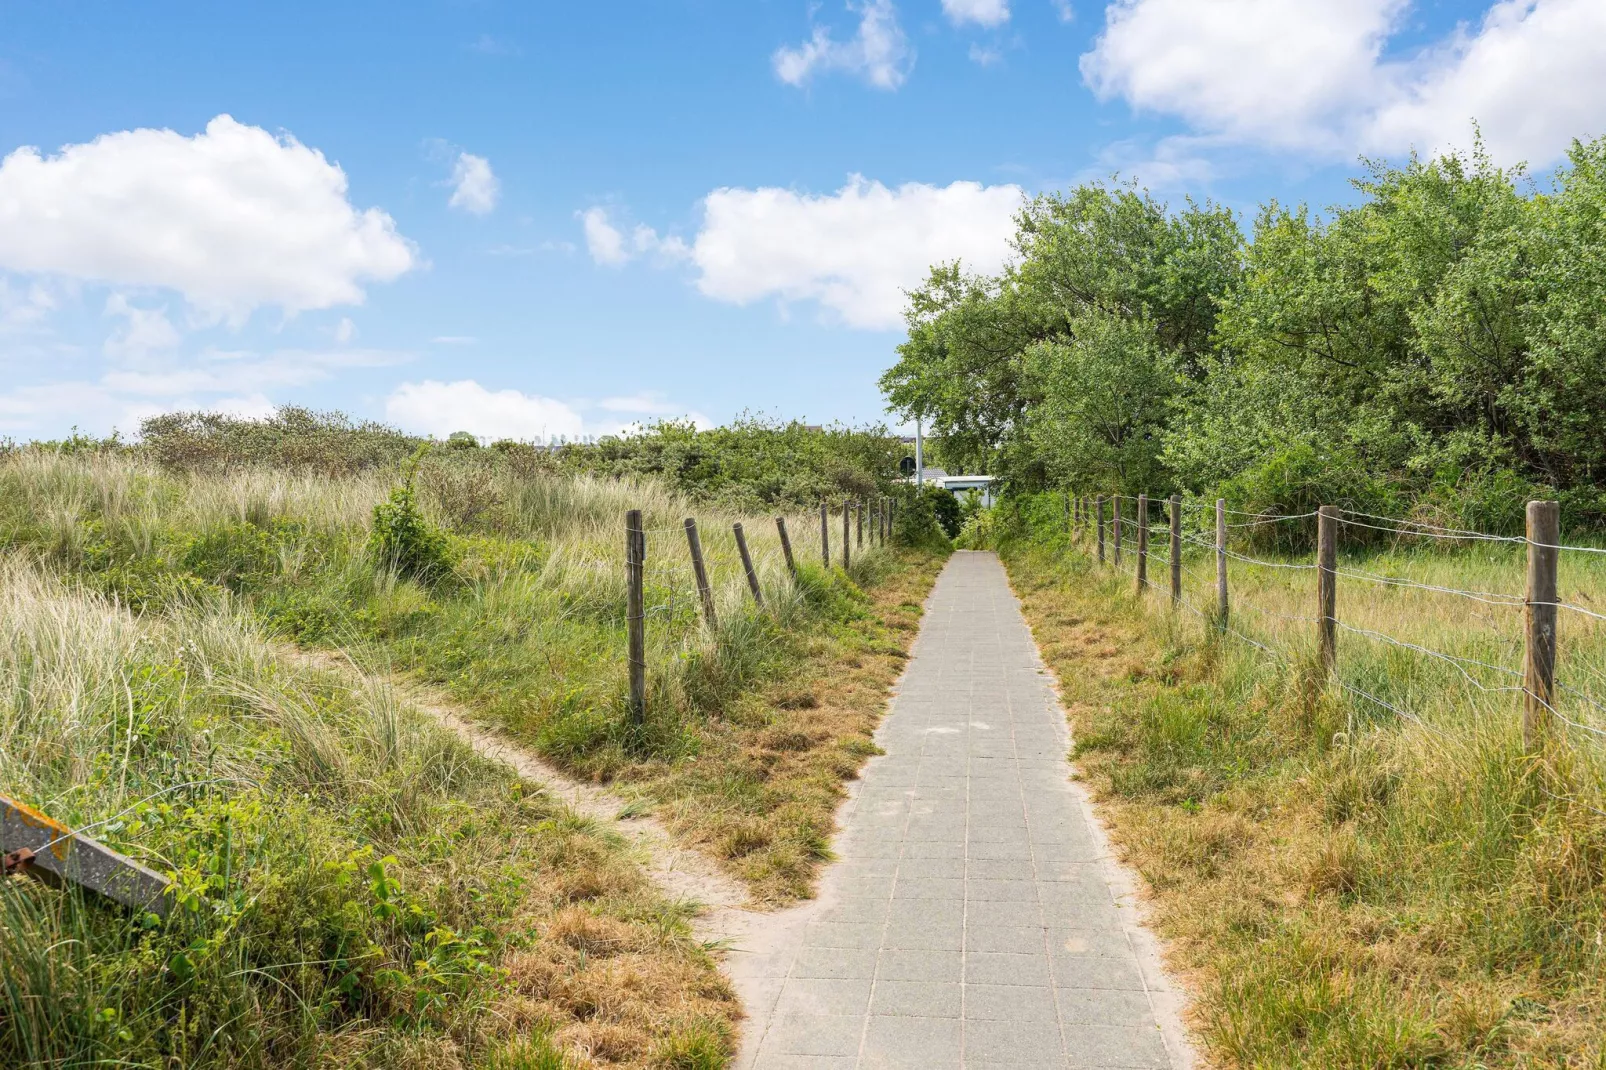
(975, 918)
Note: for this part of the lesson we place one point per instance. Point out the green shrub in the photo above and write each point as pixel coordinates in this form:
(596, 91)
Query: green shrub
(402, 538)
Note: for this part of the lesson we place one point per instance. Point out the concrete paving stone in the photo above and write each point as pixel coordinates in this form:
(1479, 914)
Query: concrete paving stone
(1104, 1006)
(909, 913)
(992, 968)
(784, 1061)
(983, 851)
(892, 1043)
(990, 1043)
(841, 934)
(1096, 971)
(929, 888)
(917, 999)
(917, 936)
(1010, 1003)
(979, 834)
(866, 886)
(914, 868)
(1110, 943)
(824, 995)
(1004, 912)
(856, 910)
(813, 1034)
(935, 849)
(1002, 869)
(980, 889)
(895, 965)
(835, 962)
(1116, 1046)
(1058, 872)
(1004, 939)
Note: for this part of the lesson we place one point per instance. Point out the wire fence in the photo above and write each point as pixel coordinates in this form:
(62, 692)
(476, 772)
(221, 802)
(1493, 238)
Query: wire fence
(1509, 643)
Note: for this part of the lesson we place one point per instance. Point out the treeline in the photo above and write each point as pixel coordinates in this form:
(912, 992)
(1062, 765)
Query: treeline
(1436, 349)
(750, 464)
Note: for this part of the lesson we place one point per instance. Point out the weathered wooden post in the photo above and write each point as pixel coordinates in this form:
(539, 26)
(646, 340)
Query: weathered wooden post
(786, 546)
(1539, 660)
(635, 614)
(1327, 585)
(1100, 504)
(700, 570)
(1221, 563)
(858, 523)
(825, 536)
(847, 536)
(1117, 531)
(1176, 549)
(1143, 543)
(747, 564)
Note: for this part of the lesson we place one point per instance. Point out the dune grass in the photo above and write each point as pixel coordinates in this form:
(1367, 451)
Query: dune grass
(353, 887)
(751, 727)
(1349, 885)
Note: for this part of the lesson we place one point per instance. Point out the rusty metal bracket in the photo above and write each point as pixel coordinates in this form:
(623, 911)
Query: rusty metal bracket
(34, 842)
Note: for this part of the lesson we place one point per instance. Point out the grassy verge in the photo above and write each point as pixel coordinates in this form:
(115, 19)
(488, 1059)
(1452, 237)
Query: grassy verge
(1346, 887)
(354, 888)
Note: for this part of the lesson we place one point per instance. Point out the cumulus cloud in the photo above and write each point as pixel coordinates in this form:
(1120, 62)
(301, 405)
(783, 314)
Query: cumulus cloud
(143, 331)
(854, 252)
(1533, 75)
(1314, 75)
(233, 218)
(439, 409)
(981, 12)
(475, 188)
(879, 52)
(609, 246)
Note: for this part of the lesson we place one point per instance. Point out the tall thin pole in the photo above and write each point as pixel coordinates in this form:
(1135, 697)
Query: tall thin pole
(825, 535)
(1539, 663)
(1143, 543)
(1327, 585)
(1117, 531)
(786, 546)
(1221, 563)
(747, 564)
(635, 614)
(858, 523)
(1176, 549)
(1101, 528)
(700, 570)
(847, 540)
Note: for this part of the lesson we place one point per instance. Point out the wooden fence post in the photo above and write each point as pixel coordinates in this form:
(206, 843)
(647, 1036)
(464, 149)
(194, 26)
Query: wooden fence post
(700, 570)
(1100, 504)
(1539, 661)
(1221, 564)
(825, 536)
(847, 537)
(786, 546)
(1143, 543)
(1176, 549)
(1327, 585)
(747, 564)
(635, 614)
(1117, 530)
(858, 523)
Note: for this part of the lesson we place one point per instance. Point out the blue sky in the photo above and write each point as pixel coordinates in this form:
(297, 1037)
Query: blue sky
(548, 218)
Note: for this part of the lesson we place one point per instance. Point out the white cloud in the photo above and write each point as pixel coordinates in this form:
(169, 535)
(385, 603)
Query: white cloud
(439, 409)
(608, 245)
(981, 12)
(24, 307)
(345, 330)
(233, 218)
(1266, 70)
(1313, 75)
(1064, 10)
(879, 52)
(1533, 75)
(475, 188)
(604, 241)
(984, 57)
(856, 251)
(144, 330)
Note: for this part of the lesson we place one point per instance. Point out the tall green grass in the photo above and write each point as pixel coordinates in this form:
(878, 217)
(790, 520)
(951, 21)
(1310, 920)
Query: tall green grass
(1372, 869)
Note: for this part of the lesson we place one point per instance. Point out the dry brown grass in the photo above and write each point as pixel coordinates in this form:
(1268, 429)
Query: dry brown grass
(761, 794)
(1329, 904)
